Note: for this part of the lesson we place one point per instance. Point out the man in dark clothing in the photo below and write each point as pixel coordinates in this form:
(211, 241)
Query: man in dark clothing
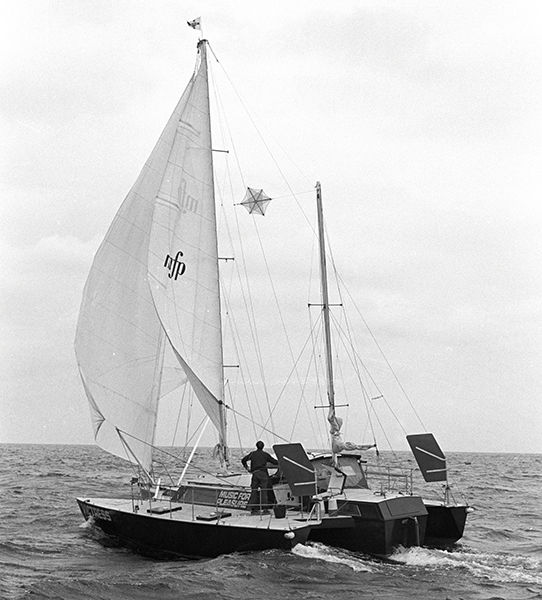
(261, 494)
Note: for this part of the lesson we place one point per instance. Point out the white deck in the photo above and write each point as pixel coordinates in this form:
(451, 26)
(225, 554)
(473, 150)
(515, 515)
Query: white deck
(366, 495)
(186, 512)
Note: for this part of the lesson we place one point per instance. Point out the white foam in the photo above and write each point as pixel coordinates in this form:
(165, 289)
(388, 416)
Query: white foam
(498, 568)
(89, 524)
(317, 551)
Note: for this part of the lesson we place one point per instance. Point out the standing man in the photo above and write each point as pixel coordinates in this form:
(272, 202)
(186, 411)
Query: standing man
(260, 488)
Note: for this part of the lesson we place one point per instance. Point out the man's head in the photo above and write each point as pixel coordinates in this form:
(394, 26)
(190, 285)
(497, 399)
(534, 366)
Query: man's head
(260, 445)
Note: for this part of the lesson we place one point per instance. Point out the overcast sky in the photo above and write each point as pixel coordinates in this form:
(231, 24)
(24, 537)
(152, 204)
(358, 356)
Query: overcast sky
(421, 118)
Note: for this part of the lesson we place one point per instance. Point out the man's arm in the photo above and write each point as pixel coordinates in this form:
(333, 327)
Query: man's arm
(245, 460)
(272, 460)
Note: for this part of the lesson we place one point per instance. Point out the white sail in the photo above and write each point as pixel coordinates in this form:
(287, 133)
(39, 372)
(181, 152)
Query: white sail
(119, 341)
(183, 254)
(136, 301)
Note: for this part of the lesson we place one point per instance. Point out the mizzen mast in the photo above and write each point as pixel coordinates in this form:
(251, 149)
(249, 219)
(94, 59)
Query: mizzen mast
(325, 307)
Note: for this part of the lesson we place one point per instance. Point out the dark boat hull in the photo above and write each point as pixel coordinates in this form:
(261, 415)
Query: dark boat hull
(364, 522)
(445, 524)
(360, 520)
(187, 538)
(376, 527)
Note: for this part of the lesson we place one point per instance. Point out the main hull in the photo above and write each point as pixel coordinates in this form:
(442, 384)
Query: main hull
(361, 521)
(192, 531)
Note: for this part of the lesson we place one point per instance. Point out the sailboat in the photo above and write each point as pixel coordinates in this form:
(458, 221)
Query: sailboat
(153, 291)
(150, 321)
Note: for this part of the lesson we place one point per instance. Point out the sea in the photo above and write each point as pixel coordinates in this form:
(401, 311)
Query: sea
(48, 551)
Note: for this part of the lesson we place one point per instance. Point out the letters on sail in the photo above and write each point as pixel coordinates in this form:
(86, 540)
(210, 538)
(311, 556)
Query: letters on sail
(153, 288)
(175, 265)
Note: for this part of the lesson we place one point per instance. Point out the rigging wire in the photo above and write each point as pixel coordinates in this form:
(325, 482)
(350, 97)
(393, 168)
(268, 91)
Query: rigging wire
(243, 360)
(177, 422)
(315, 355)
(346, 330)
(231, 404)
(247, 295)
(373, 337)
(168, 453)
(355, 358)
(250, 116)
(262, 249)
(261, 427)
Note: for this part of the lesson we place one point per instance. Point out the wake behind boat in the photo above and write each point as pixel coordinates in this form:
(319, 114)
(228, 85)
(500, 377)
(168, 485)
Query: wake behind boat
(151, 322)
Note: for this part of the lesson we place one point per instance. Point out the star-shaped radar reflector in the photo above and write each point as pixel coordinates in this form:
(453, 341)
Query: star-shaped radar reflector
(255, 201)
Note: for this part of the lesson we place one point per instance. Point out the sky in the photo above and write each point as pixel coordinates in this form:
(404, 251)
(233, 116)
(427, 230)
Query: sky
(421, 118)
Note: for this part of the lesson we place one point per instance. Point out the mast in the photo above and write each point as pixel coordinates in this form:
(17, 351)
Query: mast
(222, 447)
(325, 306)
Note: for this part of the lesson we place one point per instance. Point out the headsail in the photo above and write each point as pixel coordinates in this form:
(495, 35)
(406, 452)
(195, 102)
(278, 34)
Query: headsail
(154, 283)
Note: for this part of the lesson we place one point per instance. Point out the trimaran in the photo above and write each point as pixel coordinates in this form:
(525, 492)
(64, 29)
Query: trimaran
(153, 295)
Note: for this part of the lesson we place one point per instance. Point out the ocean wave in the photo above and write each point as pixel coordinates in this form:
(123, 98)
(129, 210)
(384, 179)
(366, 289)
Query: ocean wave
(497, 568)
(48, 551)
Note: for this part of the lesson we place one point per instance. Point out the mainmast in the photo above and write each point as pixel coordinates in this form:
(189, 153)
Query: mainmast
(222, 446)
(325, 307)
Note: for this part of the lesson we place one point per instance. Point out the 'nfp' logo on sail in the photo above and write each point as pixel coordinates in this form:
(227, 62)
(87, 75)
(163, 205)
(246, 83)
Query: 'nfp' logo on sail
(175, 266)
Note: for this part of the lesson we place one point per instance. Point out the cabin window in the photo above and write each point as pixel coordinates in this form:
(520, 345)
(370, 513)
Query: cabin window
(348, 508)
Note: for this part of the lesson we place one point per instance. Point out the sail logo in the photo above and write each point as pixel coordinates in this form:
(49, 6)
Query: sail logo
(186, 201)
(175, 266)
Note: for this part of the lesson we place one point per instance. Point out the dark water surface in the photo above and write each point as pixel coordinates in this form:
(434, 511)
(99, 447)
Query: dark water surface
(48, 552)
